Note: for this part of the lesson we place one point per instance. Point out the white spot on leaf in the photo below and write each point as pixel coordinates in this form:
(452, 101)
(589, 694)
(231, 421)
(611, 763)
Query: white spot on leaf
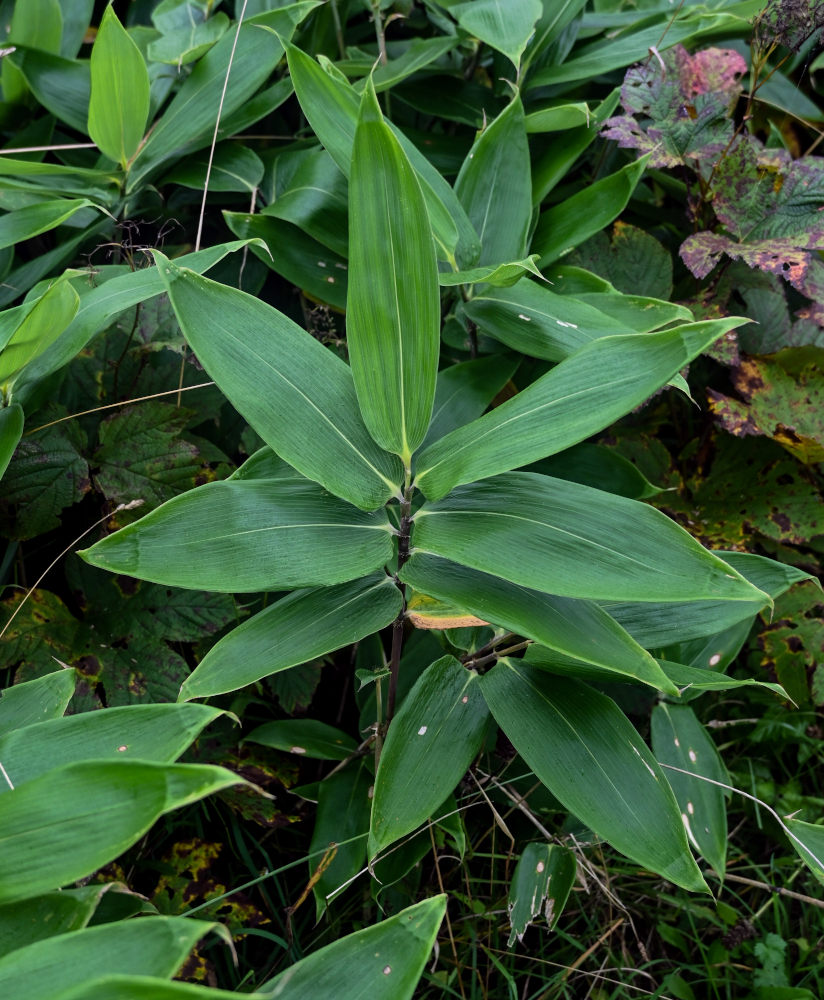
(297, 749)
(387, 969)
(122, 747)
(540, 867)
(526, 319)
(422, 731)
(692, 756)
(714, 659)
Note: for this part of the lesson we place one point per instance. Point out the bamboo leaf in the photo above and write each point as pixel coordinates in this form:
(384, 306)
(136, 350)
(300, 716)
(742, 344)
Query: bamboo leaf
(301, 627)
(148, 988)
(542, 880)
(505, 25)
(576, 628)
(119, 103)
(534, 320)
(496, 275)
(494, 186)
(38, 329)
(33, 701)
(465, 390)
(332, 108)
(393, 306)
(296, 394)
(564, 227)
(32, 220)
(582, 395)
(247, 536)
(583, 748)
(679, 739)
(11, 430)
(101, 303)
(808, 841)
(656, 625)
(383, 962)
(429, 746)
(47, 915)
(130, 732)
(65, 824)
(156, 946)
(189, 120)
(570, 540)
(305, 737)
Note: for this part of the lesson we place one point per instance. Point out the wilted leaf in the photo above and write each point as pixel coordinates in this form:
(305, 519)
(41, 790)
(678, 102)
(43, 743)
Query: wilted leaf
(783, 398)
(792, 644)
(751, 488)
(541, 882)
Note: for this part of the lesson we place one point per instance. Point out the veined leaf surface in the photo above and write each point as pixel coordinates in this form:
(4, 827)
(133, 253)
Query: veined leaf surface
(393, 306)
(571, 540)
(119, 104)
(584, 749)
(429, 746)
(582, 395)
(572, 627)
(248, 535)
(296, 394)
(298, 628)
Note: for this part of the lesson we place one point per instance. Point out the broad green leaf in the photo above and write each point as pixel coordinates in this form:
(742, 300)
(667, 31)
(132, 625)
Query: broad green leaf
(573, 541)
(600, 467)
(148, 988)
(56, 180)
(35, 219)
(44, 698)
(36, 24)
(684, 26)
(62, 86)
(564, 227)
(297, 395)
(465, 390)
(660, 625)
(575, 628)
(382, 962)
(541, 882)
(431, 742)
(534, 320)
(497, 275)
(808, 841)
(494, 186)
(47, 915)
(393, 307)
(39, 328)
(185, 44)
(11, 430)
(679, 739)
(581, 396)
(65, 824)
(332, 108)
(101, 303)
(558, 117)
(154, 946)
(190, 117)
(131, 732)
(305, 737)
(341, 829)
(552, 160)
(119, 104)
(320, 273)
(505, 25)
(308, 189)
(249, 535)
(420, 52)
(584, 749)
(301, 627)
(234, 168)
(691, 679)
